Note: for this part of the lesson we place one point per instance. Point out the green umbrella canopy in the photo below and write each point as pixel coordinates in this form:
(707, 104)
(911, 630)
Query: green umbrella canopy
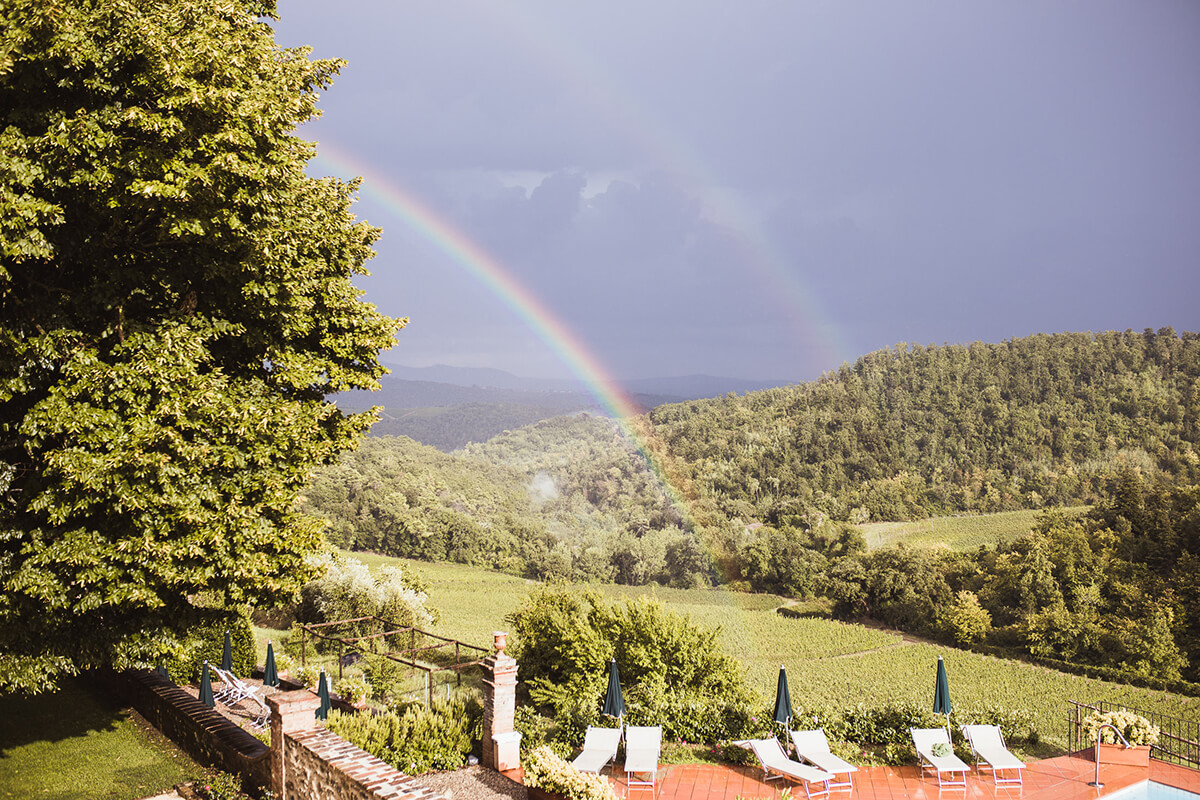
(270, 673)
(227, 655)
(614, 703)
(941, 693)
(783, 699)
(322, 711)
(206, 695)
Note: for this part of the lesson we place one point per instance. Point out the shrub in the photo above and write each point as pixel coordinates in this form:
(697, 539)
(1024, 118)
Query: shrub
(348, 590)
(1015, 723)
(887, 724)
(1136, 729)
(673, 671)
(537, 731)
(284, 663)
(419, 739)
(544, 769)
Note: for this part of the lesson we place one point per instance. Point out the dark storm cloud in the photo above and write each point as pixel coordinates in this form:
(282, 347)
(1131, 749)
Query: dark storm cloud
(764, 188)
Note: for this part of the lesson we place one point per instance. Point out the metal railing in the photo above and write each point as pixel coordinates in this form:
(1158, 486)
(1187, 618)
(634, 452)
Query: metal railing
(1178, 739)
(419, 657)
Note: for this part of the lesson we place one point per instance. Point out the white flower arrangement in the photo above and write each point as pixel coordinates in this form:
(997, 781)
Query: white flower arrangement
(546, 770)
(1136, 729)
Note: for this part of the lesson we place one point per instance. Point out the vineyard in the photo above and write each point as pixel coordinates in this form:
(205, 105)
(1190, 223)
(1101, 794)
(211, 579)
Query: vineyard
(830, 664)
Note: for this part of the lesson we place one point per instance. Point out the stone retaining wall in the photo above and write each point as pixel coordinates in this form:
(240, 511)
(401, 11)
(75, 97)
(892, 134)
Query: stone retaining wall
(305, 761)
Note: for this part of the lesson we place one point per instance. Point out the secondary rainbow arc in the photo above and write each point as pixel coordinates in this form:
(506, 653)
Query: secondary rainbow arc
(527, 306)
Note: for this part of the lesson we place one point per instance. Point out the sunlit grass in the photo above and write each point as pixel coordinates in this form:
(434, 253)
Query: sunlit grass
(78, 743)
(956, 533)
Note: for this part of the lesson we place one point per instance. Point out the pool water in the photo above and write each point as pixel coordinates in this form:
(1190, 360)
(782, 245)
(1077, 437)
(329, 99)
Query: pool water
(1150, 790)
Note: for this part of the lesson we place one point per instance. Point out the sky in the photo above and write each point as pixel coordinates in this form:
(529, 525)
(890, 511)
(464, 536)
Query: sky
(761, 189)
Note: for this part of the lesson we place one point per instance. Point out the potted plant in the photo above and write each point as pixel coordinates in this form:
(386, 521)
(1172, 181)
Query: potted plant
(1136, 729)
(355, 690)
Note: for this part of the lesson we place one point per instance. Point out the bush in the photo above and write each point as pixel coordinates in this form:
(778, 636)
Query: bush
(307, 675)
(673, 671)
(1136, 729)
(1015, 723)
(544, 769)
(537, 731)
(693, 716)
(348, 590)
(419, 739)
(888, 724)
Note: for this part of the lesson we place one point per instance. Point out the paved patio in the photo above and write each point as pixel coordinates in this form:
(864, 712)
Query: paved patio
(1062, 778)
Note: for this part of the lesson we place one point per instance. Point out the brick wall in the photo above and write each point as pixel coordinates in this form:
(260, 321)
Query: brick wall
(323, 766)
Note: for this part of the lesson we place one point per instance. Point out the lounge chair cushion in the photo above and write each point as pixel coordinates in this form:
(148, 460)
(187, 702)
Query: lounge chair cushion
(773, 759)
(599, 747)
(812, 746)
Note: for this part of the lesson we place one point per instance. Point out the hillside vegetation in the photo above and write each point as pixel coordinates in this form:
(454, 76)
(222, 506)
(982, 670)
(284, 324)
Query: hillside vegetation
(767, 490)
(912, 432)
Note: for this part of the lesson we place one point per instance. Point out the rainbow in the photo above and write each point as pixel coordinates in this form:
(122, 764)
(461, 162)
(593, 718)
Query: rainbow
(520, 300)
(673, 154)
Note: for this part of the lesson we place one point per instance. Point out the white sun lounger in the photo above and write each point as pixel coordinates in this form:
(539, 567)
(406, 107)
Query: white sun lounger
(776, 764)
(642, 748)
(924, 739)
(599, 748)
(987, 743)
(813, 747)
(235, 690)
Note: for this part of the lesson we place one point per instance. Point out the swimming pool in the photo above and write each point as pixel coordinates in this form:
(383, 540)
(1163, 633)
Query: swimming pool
(1149, 790)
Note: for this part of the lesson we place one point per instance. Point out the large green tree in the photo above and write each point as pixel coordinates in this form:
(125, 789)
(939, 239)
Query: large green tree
(176, 302)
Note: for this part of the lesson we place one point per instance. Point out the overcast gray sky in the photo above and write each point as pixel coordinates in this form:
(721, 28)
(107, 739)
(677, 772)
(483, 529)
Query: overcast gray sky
(762, 189)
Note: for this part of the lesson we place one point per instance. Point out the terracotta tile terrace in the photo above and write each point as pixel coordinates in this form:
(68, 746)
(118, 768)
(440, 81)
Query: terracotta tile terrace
(1064, 778)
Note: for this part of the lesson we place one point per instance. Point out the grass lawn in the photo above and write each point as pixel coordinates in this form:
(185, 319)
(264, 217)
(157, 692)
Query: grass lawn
(77, 744)
(957, 533)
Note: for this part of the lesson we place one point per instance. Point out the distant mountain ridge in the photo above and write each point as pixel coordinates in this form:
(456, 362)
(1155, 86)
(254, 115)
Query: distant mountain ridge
(449, 407)
(683, 387)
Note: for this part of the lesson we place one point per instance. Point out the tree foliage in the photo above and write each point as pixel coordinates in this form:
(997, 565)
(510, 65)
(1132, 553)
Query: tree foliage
(912, 432)
(177, 304)
(673, 672)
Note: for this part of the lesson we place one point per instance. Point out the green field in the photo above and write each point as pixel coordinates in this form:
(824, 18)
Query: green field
(956, 533)
(75, 744)
(829, 663)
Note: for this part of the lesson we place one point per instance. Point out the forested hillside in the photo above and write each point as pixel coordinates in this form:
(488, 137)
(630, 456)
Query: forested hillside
(765, 489)
(567, 498)
(911, 431)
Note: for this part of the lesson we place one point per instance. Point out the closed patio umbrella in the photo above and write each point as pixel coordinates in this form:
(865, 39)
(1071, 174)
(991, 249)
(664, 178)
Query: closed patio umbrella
(322, 711)
(270, 673)
(783, 699)
(206, 695)
(941, 693)
(227, 655)
(614, 702)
